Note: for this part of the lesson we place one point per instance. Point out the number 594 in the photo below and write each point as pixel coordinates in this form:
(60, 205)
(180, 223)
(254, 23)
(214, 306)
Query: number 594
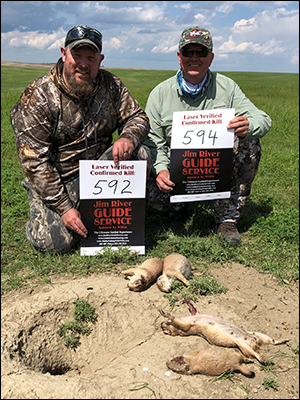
(201, 134)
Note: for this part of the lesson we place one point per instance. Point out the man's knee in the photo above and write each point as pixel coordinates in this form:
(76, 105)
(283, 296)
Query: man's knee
(45, 229)
(50, 238)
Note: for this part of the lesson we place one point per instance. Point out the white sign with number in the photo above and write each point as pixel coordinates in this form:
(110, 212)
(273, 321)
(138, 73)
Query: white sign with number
(112, 205)
(202, 129)
(201, 154)
(102, 179)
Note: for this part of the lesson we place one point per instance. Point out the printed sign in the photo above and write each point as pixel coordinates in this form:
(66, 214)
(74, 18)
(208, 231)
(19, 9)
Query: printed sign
(112, 205)
(201, 155)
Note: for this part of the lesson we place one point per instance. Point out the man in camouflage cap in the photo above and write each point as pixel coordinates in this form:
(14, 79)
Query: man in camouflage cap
(68, 115)
(195, 87)
(196, 35)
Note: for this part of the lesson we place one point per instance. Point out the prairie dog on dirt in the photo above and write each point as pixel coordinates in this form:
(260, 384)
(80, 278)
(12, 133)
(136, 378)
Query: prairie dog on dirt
(175, 267)
(211, 361)
(218, 332)
(140, 278)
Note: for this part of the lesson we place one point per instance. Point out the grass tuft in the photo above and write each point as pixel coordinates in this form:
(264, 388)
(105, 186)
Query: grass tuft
(205, 285)
(83, 314)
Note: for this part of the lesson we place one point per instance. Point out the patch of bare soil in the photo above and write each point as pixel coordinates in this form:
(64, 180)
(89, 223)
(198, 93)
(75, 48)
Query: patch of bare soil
(22, 64)
(126, 353)
(50, 65)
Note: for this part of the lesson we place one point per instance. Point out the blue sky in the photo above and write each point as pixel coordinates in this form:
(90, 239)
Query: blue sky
(258, 36)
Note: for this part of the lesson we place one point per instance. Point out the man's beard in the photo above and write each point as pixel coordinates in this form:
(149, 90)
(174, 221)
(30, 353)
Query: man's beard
(80, 89)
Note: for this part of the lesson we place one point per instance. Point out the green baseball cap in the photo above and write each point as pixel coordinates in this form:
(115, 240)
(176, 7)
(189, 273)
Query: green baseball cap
(82, 35)
(196, 35)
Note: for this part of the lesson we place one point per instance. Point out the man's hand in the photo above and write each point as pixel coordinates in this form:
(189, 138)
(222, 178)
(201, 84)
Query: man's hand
(163, 181)
(72, 220)
(122, 150)
(240, 126)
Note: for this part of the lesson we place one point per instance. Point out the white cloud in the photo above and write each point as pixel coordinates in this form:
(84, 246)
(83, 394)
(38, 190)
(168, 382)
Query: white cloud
(141, 13)
(270, 47)
(218, 39)
(244, 25)
(226, 7)
(243, 47)
(185, 6)
(267, 48)
(227, 47)
(35, 39)
(5, 36)
(267, 25)
(57, 44)
(113, 43)
(223, 56)
(267, 33)
(200, 18)
(163, 48)
(148, 32)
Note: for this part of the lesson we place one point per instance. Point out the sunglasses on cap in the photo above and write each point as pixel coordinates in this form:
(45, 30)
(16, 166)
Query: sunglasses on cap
(81, 32)
(199, 53)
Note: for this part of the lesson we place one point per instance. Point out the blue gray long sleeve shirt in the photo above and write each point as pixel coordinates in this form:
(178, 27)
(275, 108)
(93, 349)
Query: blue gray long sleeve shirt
(218, 92)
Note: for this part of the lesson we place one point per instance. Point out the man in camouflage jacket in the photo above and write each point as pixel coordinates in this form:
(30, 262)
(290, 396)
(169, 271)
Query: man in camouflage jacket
(68, 115)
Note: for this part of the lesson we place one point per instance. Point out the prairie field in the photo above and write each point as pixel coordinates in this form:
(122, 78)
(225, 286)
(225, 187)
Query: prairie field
(125, 354)
(269, 226)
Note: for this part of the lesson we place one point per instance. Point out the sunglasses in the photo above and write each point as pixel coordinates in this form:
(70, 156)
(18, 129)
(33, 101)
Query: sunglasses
(80, 32)
(199, 53)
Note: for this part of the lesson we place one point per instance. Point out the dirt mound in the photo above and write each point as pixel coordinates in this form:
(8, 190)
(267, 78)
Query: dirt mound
(125, 355)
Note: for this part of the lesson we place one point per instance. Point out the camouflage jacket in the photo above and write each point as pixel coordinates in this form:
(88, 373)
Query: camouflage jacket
(54, 129)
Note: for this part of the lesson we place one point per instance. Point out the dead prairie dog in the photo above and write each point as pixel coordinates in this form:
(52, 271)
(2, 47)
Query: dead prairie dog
(218, 332)
(212, 361)
(140, 278)
(175, 267)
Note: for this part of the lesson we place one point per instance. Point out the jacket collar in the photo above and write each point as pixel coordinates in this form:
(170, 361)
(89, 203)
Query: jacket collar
(208, 80)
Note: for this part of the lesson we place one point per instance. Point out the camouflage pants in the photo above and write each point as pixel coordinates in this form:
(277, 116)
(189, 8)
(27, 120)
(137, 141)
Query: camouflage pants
(45, 229)
(246, 157)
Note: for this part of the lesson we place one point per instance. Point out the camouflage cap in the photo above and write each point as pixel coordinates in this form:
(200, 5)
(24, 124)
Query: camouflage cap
(84, 42)
(82, 35)
(196, 35)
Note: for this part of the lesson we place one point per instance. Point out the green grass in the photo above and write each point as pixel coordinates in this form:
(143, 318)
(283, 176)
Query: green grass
(270, 383)
(141, 82)
(83, 314)
(205, 285)
(269, 226)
